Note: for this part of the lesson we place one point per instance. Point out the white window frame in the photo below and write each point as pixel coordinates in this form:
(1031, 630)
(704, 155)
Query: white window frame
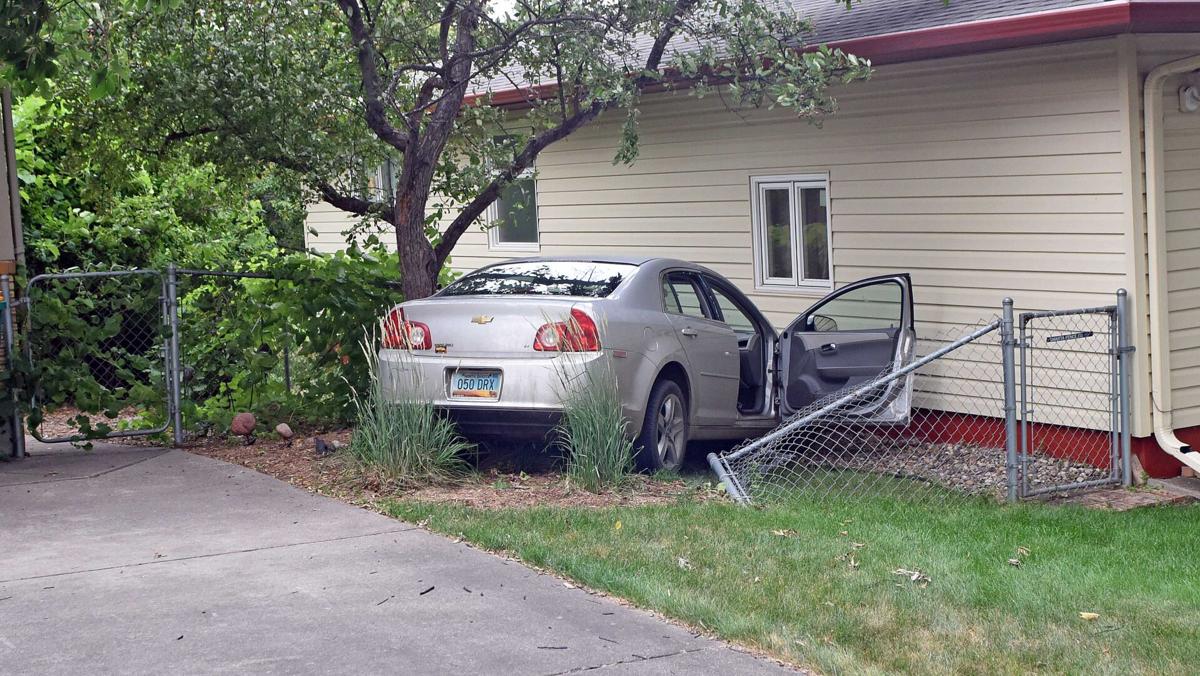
(493, 215)
(794, 183)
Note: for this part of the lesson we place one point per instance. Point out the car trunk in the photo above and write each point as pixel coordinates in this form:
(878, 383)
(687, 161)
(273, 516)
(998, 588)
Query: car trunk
(478, 326)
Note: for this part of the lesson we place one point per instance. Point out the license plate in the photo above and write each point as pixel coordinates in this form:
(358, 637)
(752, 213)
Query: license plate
(475, 384)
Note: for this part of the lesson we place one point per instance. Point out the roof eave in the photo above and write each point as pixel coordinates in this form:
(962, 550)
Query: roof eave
(1077, 23)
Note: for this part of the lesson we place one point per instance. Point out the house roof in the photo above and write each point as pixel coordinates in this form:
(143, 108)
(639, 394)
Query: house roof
(890, 31)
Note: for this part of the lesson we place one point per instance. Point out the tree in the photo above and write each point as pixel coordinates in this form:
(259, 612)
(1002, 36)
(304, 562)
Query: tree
(330, 92)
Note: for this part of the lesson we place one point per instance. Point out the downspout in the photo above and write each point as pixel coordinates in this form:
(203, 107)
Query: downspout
(1156, 231)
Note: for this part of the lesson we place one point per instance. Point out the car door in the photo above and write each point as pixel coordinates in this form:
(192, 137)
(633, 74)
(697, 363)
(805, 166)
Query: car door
(849, 338)
(711, 348)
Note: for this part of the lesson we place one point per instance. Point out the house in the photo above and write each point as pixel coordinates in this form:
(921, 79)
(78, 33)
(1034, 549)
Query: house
(1047, 150)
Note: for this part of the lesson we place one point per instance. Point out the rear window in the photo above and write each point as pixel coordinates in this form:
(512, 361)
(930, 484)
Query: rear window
(543, 278)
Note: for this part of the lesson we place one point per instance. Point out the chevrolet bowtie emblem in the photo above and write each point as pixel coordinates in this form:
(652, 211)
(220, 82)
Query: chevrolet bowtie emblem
(481, 319)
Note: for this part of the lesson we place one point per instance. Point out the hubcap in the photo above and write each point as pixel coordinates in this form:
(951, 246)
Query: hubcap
(669, 430)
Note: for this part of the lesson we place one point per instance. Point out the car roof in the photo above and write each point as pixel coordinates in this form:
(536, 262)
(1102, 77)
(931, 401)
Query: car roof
(626, 259)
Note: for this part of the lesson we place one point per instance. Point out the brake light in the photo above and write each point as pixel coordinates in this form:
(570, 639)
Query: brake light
(399, 334)
(579, 334)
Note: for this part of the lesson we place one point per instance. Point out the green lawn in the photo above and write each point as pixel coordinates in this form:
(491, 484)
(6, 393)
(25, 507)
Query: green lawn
(827, 596)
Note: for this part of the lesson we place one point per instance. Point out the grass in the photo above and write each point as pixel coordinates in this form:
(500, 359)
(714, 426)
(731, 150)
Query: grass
(403, 439)
(815, 583)
(598, 454)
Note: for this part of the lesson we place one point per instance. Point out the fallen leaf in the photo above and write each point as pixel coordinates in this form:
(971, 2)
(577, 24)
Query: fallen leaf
(617, 525)
(1084, 615)
(843, 532)
(1022, 551)
(784, 532)
(920, 579)
(1015, 563)
(683, 563)
(857, 545)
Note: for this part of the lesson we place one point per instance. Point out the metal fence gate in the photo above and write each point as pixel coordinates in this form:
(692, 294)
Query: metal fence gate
(98, 341)
(1074, 399)
(1006, 408)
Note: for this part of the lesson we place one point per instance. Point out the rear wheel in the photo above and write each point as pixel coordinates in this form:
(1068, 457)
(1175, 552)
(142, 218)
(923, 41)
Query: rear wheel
(662, 442)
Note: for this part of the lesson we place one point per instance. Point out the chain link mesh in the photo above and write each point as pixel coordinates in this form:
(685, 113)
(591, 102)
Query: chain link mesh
(950, 442)
(96, 345)
(837, 446)
(1069, 401)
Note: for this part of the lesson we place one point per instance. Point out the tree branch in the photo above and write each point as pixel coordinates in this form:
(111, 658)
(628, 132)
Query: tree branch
(475, 208)
(376, 112)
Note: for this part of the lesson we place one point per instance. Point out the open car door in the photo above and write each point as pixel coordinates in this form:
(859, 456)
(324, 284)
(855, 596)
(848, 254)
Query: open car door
(852, 336)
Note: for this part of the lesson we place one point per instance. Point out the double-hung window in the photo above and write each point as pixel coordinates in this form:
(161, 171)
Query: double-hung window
(791, 231)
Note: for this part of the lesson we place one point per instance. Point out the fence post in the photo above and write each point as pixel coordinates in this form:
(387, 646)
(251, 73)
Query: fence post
(173, 382)
(10, 343)
(1007, 347)
(1125, 370)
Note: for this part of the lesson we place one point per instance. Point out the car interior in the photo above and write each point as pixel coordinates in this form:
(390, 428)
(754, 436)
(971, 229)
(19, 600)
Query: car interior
(752, 350)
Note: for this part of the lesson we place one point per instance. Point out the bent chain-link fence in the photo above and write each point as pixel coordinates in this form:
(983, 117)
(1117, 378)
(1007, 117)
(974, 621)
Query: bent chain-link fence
(977, 425)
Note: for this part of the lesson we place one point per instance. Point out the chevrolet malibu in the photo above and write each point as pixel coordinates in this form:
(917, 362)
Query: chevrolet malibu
(693, 358)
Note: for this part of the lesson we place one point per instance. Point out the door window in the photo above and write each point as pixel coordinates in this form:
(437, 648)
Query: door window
(732, 313)
(866, 308)
(681, 296)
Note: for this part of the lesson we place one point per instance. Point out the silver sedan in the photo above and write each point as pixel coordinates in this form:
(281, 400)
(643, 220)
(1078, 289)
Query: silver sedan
(693, 358)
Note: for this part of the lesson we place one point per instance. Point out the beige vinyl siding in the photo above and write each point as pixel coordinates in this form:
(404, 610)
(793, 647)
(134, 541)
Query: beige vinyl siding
(987, 176)
(983, 176)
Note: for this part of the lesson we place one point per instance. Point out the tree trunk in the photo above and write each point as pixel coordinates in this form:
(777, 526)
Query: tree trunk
(418, 266)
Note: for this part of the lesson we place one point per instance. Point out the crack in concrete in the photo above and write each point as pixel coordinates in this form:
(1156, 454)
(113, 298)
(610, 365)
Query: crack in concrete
(209, 556)
(110, 470)
(634, 660)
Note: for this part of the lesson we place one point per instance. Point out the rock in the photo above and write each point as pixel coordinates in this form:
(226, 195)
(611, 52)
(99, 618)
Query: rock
(284, 431)
(243, 424)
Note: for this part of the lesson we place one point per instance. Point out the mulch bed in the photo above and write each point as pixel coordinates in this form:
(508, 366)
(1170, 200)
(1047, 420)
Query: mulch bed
(339, 476)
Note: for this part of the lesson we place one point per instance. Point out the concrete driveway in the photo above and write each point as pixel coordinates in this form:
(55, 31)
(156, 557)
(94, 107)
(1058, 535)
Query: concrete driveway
(124, 560)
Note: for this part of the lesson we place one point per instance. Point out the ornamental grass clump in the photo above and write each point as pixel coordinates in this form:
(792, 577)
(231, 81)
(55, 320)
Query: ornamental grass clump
(593, 431)
(399, 435)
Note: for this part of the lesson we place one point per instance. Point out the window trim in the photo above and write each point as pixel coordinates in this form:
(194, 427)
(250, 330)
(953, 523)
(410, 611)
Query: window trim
(794, 183)
(493, 215)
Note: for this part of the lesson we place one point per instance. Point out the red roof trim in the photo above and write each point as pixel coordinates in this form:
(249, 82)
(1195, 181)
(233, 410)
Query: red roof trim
(1131, 16)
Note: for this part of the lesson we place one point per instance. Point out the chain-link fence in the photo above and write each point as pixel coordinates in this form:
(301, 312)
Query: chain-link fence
(963, 434)
(137, 352)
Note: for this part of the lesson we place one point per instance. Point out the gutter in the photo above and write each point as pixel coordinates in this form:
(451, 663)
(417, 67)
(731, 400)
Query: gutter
(1156, 232)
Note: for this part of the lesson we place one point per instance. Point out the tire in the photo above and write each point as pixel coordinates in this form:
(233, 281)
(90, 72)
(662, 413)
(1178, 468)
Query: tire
(662, 442)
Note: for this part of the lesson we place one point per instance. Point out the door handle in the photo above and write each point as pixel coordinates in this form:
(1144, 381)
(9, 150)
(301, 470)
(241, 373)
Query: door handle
(689, 332)
(829, 348)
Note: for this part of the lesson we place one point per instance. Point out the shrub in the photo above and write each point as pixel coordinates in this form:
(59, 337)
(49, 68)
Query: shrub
(593, 431)
(405, 440)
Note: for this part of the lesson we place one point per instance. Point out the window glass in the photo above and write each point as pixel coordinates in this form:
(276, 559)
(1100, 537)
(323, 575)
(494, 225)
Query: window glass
(735, 317)
(543, 278)
(777, 218)
(873, 307)
(681, 297)
(516, 213)
(813, 203)
(792, 231)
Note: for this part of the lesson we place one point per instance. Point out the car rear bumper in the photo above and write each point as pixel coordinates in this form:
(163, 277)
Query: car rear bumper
(513, 424)
(531, 391)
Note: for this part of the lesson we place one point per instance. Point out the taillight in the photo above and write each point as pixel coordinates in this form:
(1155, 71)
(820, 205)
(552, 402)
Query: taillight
(579, 334)
(399, 334)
